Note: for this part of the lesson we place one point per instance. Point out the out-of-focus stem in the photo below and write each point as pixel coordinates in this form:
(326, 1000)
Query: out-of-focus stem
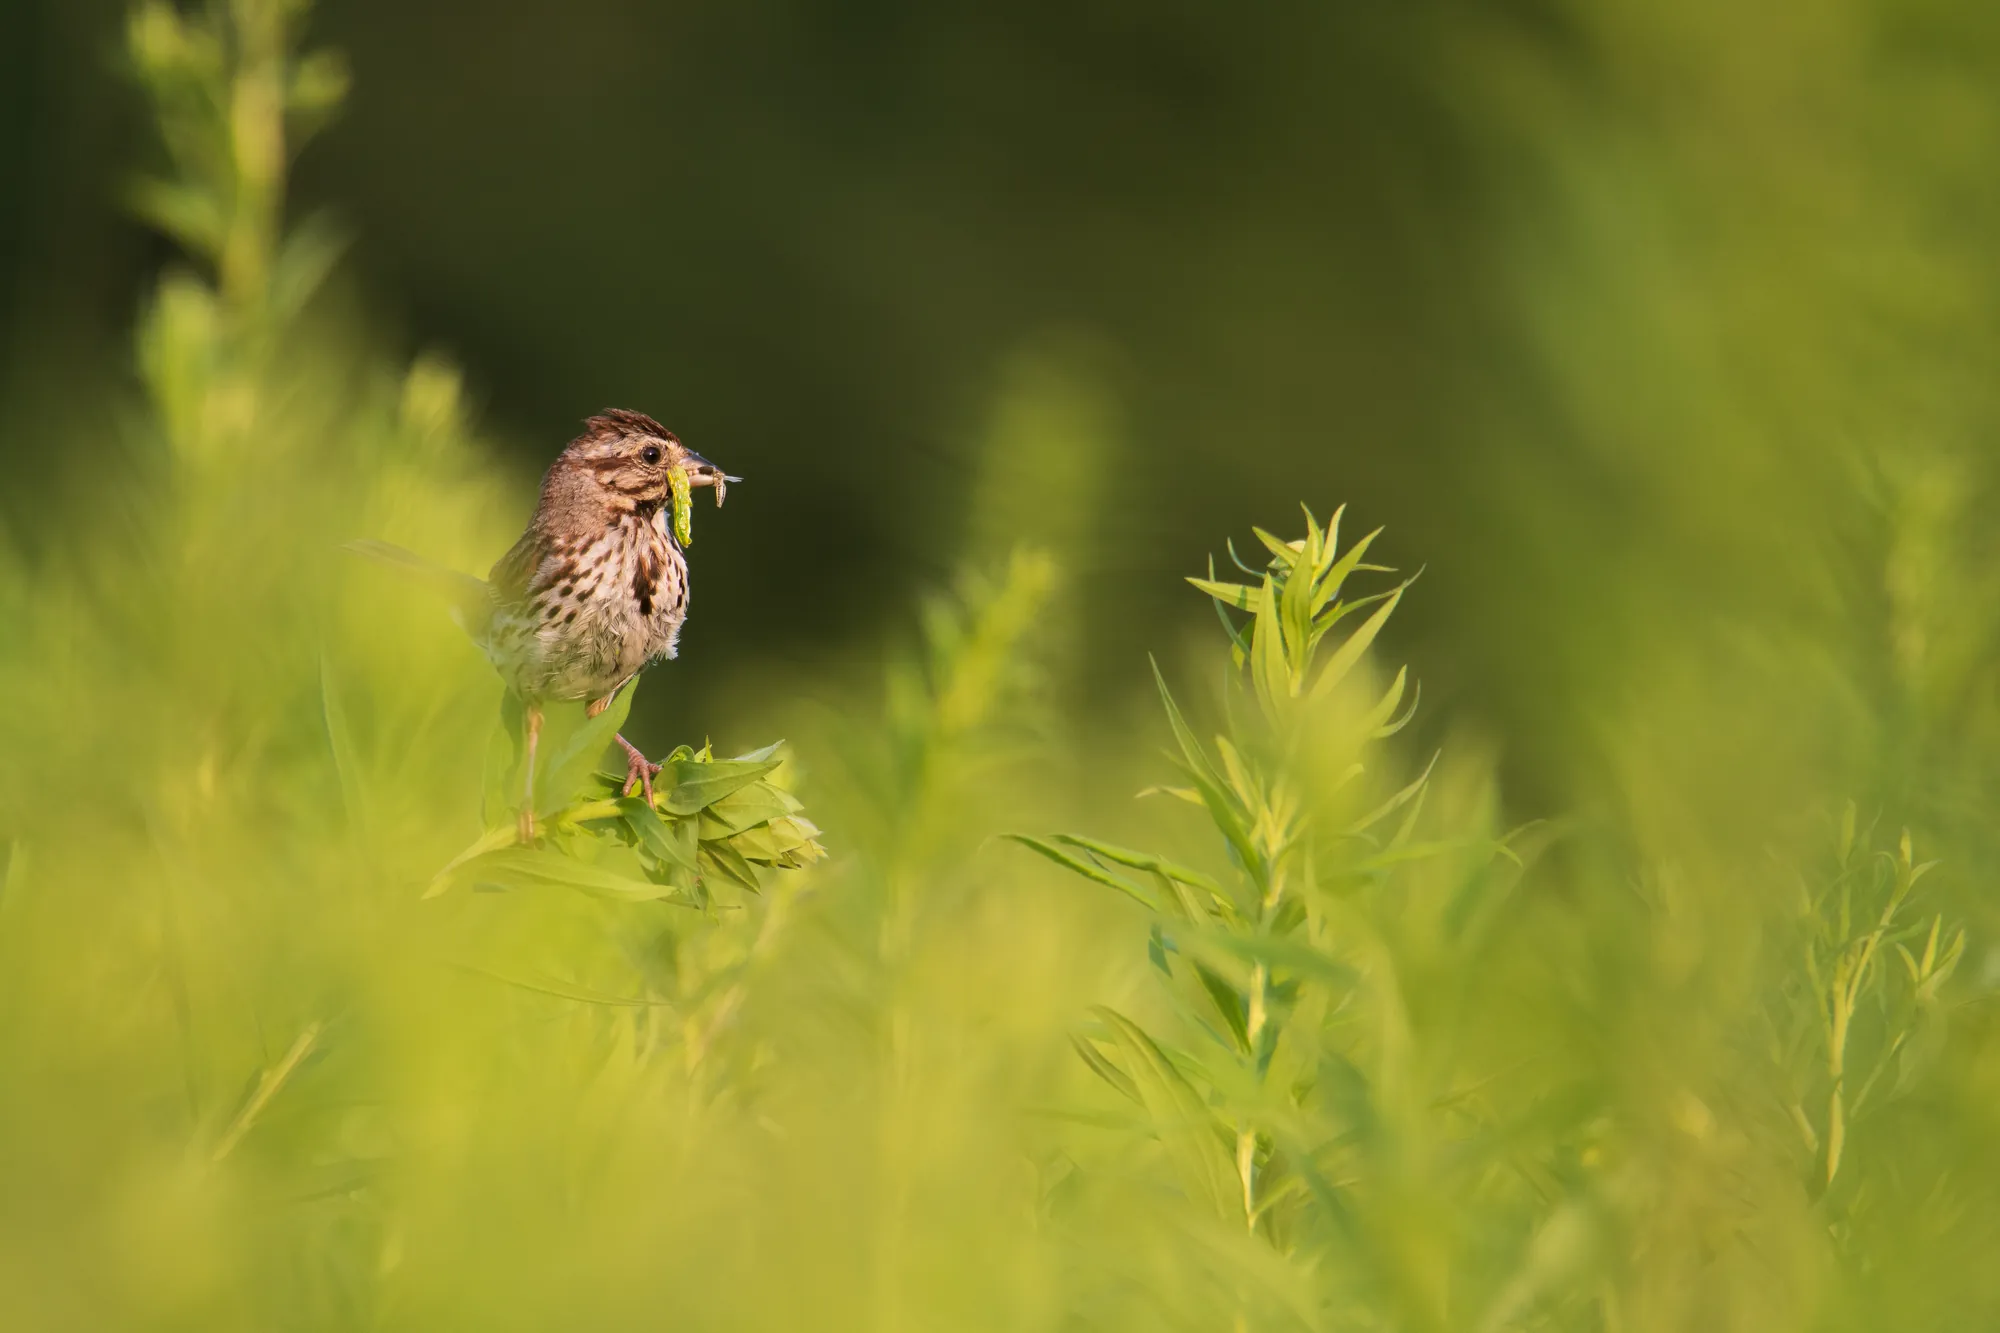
(268, 1084)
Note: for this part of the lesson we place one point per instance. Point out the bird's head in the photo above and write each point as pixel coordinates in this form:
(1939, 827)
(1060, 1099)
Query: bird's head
(631, 457)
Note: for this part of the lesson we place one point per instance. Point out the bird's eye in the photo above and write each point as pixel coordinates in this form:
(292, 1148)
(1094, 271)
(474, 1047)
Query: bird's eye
(651, 453)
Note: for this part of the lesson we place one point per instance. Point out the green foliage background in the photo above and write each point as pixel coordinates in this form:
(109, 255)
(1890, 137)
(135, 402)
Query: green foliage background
(1641, 978)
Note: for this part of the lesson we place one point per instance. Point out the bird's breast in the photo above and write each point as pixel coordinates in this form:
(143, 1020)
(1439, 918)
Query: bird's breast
(598, 610)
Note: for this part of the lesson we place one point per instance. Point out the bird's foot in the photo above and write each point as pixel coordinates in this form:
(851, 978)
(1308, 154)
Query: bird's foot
(639, 770)
(524, 826)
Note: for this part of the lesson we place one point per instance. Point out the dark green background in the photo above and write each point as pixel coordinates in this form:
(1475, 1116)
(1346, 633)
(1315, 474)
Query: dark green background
(1526, 282)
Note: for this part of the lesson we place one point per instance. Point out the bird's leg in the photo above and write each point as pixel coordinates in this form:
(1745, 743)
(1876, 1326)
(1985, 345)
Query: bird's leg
(639, 770)
(525, 826)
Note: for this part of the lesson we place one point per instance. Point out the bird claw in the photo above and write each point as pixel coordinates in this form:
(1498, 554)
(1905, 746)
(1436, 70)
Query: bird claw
(639, 770)
(524, 826)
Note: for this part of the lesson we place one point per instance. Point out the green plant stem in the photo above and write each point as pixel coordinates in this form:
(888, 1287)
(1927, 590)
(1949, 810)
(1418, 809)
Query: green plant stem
(268, 1084)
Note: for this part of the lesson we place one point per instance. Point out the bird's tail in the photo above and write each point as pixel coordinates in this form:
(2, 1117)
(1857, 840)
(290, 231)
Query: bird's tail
(470, 602)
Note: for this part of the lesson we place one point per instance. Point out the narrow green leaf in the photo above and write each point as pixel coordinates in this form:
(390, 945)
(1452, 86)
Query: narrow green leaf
(1228, 1002)
(1385, 707)
(1184, 1123)
(1234, 595)
(1331, 582)
(1125, 856)
(1280, 954)
(1239, 649)
(572, 745)
(721, 857)
(1295, 614)
(1090, 870)
(1248, 794)
(1329, 548)
(1227, 819)
(1390, 728)
(1197, 759)
(671, 844)
(1910, 964)
(1178, 896)
(537, 866)
(1286, 553)
(492, 840)
(1350, 652)
(1104, 1069)
(1237, 560)
(1394, 803)
(1267, 654)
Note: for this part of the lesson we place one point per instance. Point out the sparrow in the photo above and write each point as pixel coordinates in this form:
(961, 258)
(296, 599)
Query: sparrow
(596, 589)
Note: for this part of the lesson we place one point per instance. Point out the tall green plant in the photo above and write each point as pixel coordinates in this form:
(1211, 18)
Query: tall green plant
(1293, 1089)
(1862, 1012)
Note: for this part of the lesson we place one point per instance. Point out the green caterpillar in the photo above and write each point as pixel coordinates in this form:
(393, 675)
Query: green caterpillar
(683, 506)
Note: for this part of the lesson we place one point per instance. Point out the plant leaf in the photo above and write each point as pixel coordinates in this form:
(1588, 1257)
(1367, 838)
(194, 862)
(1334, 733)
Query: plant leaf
(1350, 652)
(1125, 856)
(699, 783)
(567, 766)
(1228, 821)
(1090, 870)
(1237, 596)
(538, 866)
(1268, 666)
(1104, 1069)
(750, 805)
(1181, 1118)
(671, 844)
(720, 856)
(1285, 553)
(1335, 577)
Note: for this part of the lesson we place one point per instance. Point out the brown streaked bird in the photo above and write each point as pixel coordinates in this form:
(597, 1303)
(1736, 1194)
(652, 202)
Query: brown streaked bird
(596, 588)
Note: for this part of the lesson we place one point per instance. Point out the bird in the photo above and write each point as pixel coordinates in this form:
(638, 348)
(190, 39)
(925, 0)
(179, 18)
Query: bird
(595, 590)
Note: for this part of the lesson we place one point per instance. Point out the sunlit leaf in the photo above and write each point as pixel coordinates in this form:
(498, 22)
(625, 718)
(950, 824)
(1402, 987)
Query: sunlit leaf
(1143, 861)
(672, 845)
(752, 804)
(721, 857)
(571, 748)
(1285, 552)
(1104, 1069)
(539, 866)
(1087, 868)
(1235, 595)
(1268, 663)
(1335, 577)
(1349, 653)
(1395, 802)
(1181, 1118)
(697, 784)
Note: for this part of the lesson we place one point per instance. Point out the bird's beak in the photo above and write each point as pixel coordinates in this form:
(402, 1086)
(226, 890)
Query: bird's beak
(701, 472)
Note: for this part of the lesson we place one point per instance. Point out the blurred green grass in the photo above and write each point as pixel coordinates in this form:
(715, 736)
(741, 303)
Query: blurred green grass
(251, 1077)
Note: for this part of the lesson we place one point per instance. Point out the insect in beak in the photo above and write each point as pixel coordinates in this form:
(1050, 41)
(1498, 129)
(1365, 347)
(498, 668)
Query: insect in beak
(701, 472)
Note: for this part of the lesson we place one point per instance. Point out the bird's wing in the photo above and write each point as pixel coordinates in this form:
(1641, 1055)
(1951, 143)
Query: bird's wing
(470, 599)
(513, 574)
